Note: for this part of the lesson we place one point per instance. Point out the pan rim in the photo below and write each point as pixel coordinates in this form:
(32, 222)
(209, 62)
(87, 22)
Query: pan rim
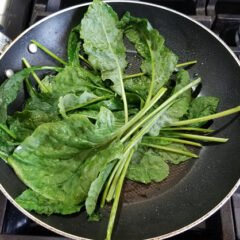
(164, 236)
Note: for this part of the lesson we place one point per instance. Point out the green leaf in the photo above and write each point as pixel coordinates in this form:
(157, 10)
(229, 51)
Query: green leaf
(39, 109)
(96, 188)
(158, 61)
(178, 109)
(103, 42)
(73, 47)
(9, 91)
(33, 201)
(75, 79)
(202, 106)
(95, 217)
(113, 104)
(72, 101)
(7, 144)
(11, 87)
(58, 161)
(106, 120)
(147, 168)
(138, 85)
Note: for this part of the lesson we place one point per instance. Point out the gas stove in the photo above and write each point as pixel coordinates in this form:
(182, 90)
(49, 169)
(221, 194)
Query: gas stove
(222, 17)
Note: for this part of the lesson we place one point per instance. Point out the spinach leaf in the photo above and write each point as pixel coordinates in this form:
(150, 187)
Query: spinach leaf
(95, 217)
(151, 165)
(72, 101)
(103, 42)
(106, 120)
(33, 201)
(96, 188)
(55, 161)
(114, 104)
(147, 168)
(138, 85)
(7, 144)
(10, 88)
(40, 108)
(75, 79)
(73, 47)
(202, 106)
(158, 61)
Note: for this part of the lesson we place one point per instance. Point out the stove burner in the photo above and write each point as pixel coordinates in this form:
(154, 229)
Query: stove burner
(230, 34)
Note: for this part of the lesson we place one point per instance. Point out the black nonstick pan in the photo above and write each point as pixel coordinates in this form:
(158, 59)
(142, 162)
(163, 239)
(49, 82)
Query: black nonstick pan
(195, 189)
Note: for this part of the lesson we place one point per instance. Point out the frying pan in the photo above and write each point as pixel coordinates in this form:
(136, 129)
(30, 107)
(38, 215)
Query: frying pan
(194, 190)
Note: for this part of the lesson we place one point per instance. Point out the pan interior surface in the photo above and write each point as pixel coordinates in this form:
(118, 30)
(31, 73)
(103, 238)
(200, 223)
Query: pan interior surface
(193, 188)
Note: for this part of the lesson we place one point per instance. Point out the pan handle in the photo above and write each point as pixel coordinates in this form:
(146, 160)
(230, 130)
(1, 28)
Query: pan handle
(4, 41)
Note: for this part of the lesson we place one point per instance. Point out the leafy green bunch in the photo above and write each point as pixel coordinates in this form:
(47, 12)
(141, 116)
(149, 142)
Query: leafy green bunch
(86, 126)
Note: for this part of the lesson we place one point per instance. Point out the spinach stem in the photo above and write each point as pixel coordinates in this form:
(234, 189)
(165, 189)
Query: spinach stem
(6, 130)
(135, 139)
(129, 147)
(202, 138)
(186, 64)
(103, 89)
(117, 196)
(35, 76)
(144, 110)
(204, 130)
(162, 106)
(134, 75)
(175, 140)
(85, 60)
(109, 182)
(87, 103)
(168, 149)
(149, 97)
(124, 98)
(207, 118)
(48, 52)
(30, 88)
(117, 175)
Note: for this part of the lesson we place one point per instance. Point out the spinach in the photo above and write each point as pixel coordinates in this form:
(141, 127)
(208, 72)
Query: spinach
(173, 158)
(89, 126)
(74, 79)
(158, 61)
(103, 42)
(33, 201)
(39, 109)
(73, 47)
(177, 110)
(138, 85)
(96, 188)
(71, 101)
(10, 88)
(149, 168)
(201, 107)
(7, 144)
(53, 159)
